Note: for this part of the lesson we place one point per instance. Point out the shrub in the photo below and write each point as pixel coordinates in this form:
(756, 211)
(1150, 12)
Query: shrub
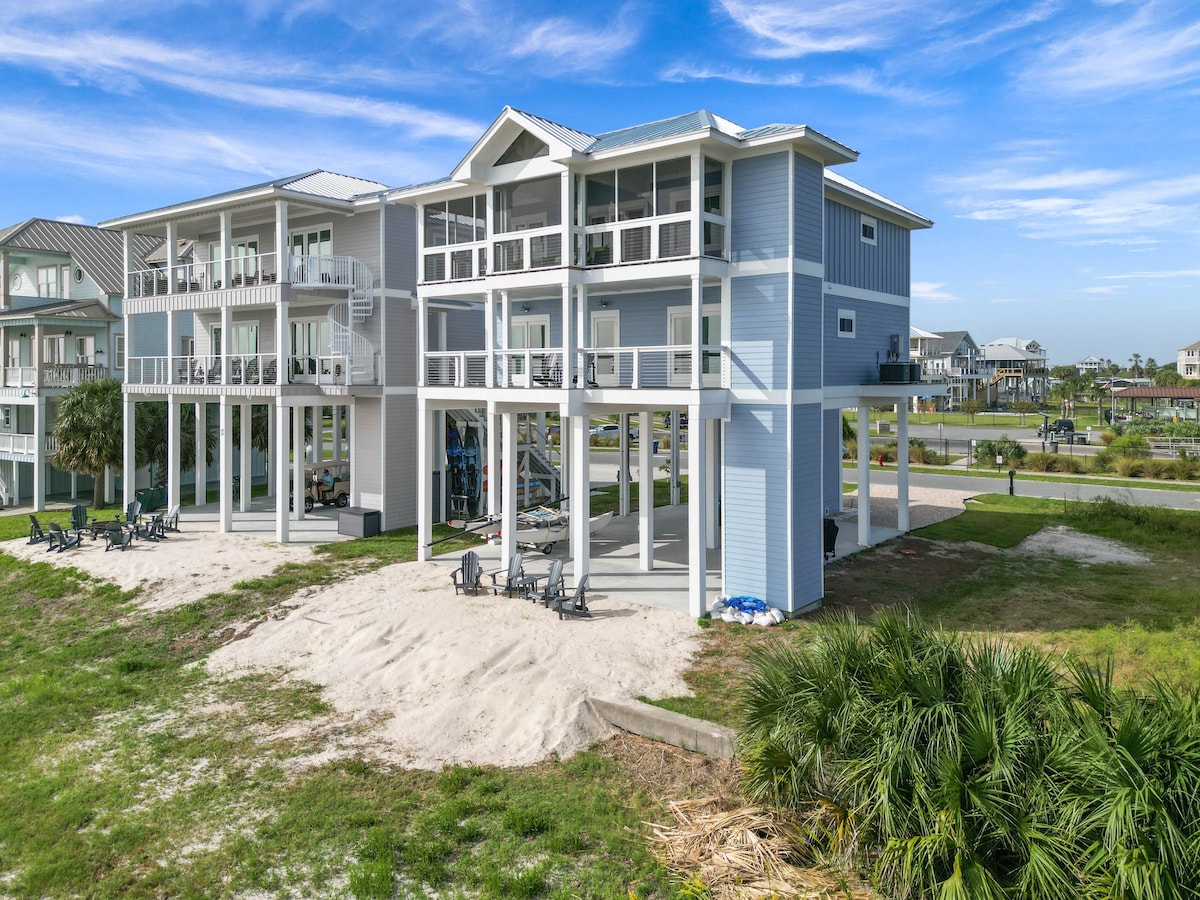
(851, 446)
(1072, 464)
(1041, 462)
(1132, 446)
(917, 452)
(987, 451)
(1186, 468)
(1107, 437)
(1154, 468)
(1127, 466)
(975, 769)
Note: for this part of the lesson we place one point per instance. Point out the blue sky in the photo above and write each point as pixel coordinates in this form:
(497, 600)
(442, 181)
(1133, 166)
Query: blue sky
(1055, 144)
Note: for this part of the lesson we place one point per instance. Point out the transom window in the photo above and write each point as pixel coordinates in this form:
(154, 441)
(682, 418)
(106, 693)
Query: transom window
(526, 146)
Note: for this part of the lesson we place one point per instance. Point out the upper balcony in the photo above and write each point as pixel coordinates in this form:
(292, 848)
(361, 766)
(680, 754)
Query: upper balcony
(304, 271)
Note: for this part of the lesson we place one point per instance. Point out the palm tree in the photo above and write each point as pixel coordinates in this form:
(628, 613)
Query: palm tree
(1151, 366)
(151, 429)
(88, 431)
(1135, 368)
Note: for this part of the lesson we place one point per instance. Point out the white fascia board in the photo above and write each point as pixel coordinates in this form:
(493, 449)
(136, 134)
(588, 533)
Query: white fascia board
(701, 138)
(874, 204)
(810, 143)
(431, 193)
(465, 170)
(212, 205)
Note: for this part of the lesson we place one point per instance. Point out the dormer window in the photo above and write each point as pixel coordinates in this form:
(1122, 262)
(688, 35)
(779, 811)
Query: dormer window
(868, 230)
(526, 146)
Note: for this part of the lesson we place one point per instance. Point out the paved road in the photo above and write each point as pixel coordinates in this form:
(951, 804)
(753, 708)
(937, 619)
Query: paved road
(1046, 489)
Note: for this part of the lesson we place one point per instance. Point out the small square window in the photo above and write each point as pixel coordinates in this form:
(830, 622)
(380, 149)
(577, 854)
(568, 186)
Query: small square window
(845, 323)
(868, 230)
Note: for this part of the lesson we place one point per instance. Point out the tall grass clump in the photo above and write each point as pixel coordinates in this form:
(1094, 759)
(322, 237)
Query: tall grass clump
(975, 769)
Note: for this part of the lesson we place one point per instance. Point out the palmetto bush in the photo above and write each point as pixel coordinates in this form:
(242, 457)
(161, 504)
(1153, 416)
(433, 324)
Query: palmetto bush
(960, 769)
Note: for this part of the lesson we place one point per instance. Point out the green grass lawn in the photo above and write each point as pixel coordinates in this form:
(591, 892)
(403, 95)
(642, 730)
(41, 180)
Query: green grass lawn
(128, 771)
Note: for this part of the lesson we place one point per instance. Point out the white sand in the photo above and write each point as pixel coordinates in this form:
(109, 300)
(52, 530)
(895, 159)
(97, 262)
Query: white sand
(424, 677)
(1059, 540)
(488, 680)
(188, 565)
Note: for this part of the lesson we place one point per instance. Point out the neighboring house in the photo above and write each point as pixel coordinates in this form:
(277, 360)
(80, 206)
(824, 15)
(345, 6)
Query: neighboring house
(1014, 369)
(60, 326)
(1187, 363)
(301, 294)
(1092, 366)
(949, 358)
(688, 265)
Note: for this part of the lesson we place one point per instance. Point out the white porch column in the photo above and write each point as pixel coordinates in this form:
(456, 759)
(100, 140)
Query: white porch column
(490, 325)
(225, 487)
(172, 341)
(674, 456)
(623, 491)
(172, 266)
(580, 531)
(864, 474)
(74, 486)
(174, 439)
(201, 461)
(697, 505)
(492, 476)
(697, 332)
(110, 484)
(273, 450)
(223, 271)
(508, 486)
(226, 340)
(318, 440)
(424, 480)
(39, 454)
(129, 463)
(902, 511)
(280, 459)
(712, 484)
(244, 476)
(570, 340)
(352, 457)
(646, 492)
(339, 432)
(298, 483)
(282, 249)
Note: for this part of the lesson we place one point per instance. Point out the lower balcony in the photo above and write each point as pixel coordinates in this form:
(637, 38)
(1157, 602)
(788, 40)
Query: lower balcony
(611, 367)
(254, 369)
(53, 375)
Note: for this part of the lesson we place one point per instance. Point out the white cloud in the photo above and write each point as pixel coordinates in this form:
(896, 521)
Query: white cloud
(789, 30)
(861, 81)
(1107, 289)
(1146, 50)
(1166, 273)
(71, 220)
(575, 43)
(932, 292)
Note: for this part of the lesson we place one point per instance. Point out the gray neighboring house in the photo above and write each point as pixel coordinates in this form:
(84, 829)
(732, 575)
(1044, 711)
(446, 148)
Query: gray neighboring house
(689, 265)
(61, 287)
(1015, 369)
(950, 358)
(1187, 361)
(298, 294)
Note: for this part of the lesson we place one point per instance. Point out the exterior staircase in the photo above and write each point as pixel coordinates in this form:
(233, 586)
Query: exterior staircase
(3, 492)
(358, 307)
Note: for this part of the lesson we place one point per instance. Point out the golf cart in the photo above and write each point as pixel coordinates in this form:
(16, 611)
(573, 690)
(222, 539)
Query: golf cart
(317, 488)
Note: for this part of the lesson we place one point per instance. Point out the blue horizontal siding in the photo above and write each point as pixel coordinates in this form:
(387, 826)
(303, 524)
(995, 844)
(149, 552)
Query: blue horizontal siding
(758, 217)
(856, 360)
(754, 503)
(831, 461)
(806, 328)
(758, 331)
(807, 506)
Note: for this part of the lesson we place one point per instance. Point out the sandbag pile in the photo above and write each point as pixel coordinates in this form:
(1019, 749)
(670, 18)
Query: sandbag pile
(746, 611)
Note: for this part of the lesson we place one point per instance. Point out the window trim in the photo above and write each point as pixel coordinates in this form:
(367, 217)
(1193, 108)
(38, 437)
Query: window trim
(850, 315)
(118, 351)
(866, 222)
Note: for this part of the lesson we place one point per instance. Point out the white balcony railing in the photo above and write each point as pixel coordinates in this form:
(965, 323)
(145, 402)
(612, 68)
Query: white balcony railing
(20, 376)
(244, 271)
(616, 367)
(19, 444)
(638, 240)
(238, 369)
(65, 375)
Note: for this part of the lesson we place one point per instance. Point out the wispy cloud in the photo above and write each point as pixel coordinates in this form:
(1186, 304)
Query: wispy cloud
(933, 292)
(791, 30)
(577, 43)
(1154, 46)
(1155, 275)
(860, 81)
(1106, 289)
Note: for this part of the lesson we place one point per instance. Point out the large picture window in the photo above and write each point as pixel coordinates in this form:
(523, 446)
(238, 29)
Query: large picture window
(460, 221)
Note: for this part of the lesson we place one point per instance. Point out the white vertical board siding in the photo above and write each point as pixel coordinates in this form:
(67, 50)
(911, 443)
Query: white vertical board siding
(808, 209)
(758, 332)
(758, 209)
(399, 471)
(368, 446)
(754, 503)
(882, 266)
(807, 294)
(856, 360)
(807, 507)
(831, 461)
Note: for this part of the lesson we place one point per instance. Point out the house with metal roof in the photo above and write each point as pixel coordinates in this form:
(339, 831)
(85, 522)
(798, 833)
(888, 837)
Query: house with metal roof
(950, 358)
(299, 291)
(1015, 369)
(1187, 361)
(60, 326)
(688, 265)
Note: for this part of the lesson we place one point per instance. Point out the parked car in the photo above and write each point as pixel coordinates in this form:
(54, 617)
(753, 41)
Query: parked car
(1057, 427)
(611, 429)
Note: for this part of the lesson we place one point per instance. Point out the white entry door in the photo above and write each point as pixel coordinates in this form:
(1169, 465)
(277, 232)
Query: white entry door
(606, 332)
